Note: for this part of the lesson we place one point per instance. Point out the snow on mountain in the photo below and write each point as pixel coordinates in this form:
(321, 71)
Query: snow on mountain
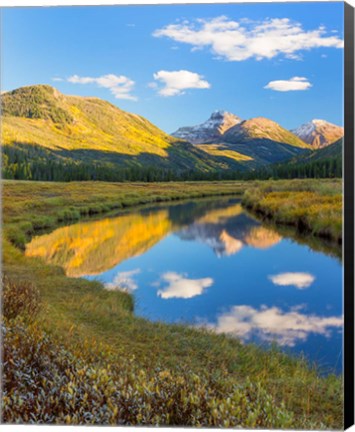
(210, 130)
(319, 133)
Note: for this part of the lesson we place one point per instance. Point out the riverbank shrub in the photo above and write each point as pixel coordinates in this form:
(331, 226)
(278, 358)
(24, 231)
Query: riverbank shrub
(44, 383)
(19, 298)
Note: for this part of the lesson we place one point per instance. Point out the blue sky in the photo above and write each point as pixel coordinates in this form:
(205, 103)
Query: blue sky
(175, 64)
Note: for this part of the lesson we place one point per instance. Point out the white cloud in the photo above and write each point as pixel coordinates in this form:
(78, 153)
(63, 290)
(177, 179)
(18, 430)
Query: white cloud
(179, 286)
(245, 39)
(293, 84)
(57, 79)
(123, 281)
(299, 280)
(152, 85)
(119, 85)
(269, 324)
(175, 82)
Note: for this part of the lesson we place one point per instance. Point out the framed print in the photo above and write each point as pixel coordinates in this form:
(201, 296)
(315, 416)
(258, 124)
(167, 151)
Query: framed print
(178, 215)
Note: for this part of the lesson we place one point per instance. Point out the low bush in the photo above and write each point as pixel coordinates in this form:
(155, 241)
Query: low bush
(19, 298)
(44, 383)
(67, 215)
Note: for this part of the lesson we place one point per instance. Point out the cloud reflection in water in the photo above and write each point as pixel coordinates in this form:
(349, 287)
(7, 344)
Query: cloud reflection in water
(123, 281)
(273, 324)
(298, 280)
(180, 286)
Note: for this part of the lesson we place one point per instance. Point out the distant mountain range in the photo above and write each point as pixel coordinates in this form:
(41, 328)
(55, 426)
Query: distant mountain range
(43, 124)
(259, 140)
(226, 127)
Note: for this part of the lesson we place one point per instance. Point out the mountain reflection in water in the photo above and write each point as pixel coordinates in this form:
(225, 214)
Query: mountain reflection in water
(209, 263)
(90, 248)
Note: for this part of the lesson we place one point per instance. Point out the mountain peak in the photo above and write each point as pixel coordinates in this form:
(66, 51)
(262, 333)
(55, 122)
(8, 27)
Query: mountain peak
(35, 89)
(211, 130)
(262, 128)
(260, 121)
(40, 101)
(220, 114)
(319, 133)
(319, 121)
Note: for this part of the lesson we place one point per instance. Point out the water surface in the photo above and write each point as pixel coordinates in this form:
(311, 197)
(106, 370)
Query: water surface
(209, 263)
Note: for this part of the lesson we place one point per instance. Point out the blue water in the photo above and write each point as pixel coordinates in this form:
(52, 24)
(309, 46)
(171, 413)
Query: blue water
(233, 275)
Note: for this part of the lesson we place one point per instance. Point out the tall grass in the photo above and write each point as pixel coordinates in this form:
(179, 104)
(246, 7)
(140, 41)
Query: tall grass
(311, 206)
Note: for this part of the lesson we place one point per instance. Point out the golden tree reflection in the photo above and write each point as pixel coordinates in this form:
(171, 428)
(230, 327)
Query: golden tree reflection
(90, 248)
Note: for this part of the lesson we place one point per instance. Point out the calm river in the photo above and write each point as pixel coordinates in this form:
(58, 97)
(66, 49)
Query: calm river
(209, 263)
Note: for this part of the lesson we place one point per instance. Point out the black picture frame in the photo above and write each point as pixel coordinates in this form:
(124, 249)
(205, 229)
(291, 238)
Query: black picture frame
(348, 155)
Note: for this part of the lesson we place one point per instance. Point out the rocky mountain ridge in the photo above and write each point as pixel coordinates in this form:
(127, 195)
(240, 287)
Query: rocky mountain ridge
(209, 131)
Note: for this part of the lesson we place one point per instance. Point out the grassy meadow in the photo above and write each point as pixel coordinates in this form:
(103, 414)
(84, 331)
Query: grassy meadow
(76, 353)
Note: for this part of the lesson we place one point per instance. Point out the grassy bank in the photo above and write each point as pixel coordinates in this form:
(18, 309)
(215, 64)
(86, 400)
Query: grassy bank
(84, 357)
(311, 206)
(30, 206)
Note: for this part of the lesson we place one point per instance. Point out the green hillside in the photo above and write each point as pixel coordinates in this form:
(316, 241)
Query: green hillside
(322, 163)
(334, 150)
(44, 124)
(41, 115)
